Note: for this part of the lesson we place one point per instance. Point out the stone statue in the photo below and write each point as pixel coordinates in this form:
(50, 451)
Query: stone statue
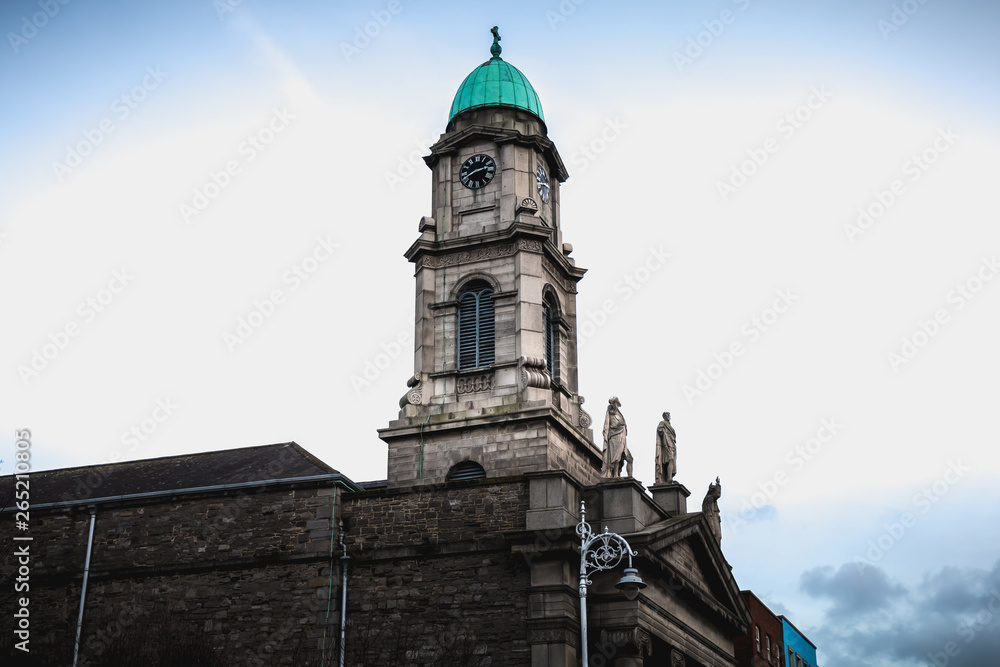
(666, 451)
(616, 454)
(710, 507)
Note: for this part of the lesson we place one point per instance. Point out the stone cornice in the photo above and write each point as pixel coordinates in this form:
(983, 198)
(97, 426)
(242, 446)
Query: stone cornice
(456, 420)
(451, 143)
(516, 237)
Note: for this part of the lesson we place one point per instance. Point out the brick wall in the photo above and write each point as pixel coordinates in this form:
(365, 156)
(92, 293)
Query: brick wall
(770, 626)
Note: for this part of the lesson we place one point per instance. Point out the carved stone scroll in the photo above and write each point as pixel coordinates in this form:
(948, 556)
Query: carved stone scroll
(415, 395)
(584, 419)
(533, 373)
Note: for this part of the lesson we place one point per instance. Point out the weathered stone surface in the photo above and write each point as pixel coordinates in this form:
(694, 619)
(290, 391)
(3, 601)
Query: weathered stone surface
(247, 569)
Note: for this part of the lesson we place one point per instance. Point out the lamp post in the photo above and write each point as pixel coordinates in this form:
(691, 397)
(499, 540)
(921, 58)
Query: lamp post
(602, 551)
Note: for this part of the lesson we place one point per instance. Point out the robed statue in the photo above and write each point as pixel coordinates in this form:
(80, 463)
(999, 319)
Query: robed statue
(666, 451)
(710, 506)
(616, 453)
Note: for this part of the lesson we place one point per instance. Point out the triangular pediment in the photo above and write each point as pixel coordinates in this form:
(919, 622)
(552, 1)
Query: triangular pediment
(685, 548)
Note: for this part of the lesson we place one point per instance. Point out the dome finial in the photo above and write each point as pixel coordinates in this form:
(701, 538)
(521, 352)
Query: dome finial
(495, 49)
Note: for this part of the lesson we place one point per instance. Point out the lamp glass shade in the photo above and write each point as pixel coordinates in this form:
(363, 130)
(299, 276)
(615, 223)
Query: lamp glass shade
(630, 583)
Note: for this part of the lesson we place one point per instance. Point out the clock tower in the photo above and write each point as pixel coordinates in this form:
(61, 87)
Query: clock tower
(494, 390)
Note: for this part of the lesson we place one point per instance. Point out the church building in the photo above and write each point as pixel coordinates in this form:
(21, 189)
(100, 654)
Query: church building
(469, 552)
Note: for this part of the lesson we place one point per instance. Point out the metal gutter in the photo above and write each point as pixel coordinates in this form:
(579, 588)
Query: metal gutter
(337, 478)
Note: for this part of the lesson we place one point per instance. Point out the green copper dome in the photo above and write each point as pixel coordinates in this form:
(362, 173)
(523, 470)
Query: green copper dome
(496, 83)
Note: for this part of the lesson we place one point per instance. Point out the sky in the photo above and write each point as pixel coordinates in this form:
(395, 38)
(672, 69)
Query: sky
(821, 177)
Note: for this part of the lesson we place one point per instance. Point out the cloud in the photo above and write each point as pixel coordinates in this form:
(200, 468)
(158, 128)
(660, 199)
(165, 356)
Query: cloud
(851, 591)
(951, 618)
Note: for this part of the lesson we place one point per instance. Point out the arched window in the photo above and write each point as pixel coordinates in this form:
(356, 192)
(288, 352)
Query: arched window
(466, 470)
(551, 333)
(476, 328)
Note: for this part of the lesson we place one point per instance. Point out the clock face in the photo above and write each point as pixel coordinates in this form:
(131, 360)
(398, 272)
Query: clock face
(477, 171)
(543, 184)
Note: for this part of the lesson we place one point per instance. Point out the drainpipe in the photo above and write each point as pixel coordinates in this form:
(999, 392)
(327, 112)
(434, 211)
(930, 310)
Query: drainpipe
(343, 596)
(83, 592)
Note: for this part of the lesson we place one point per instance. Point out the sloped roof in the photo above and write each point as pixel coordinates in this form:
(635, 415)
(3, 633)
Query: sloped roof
(188, 471)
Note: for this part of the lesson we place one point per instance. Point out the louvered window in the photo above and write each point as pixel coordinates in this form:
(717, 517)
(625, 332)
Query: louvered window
(476, 328)
(551, 334)
(466, 470)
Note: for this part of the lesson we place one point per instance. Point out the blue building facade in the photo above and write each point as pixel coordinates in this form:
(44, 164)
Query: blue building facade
(799, 651)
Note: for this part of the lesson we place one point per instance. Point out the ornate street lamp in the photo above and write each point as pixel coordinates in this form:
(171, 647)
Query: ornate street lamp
(602, 551)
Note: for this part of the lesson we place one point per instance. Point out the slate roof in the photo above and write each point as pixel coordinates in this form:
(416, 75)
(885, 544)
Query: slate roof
(229, 466)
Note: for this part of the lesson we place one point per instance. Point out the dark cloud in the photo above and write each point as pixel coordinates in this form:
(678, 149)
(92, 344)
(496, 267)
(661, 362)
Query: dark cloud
(951, 619)
(851, 590)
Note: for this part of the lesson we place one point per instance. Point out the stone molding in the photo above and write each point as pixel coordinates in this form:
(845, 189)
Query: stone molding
(472, 383)
(480, 254)
(558, 277)
(635, 639)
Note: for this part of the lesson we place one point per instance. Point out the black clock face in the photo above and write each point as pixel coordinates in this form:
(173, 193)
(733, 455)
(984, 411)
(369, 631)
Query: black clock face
(543, 184)
(477, 171)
